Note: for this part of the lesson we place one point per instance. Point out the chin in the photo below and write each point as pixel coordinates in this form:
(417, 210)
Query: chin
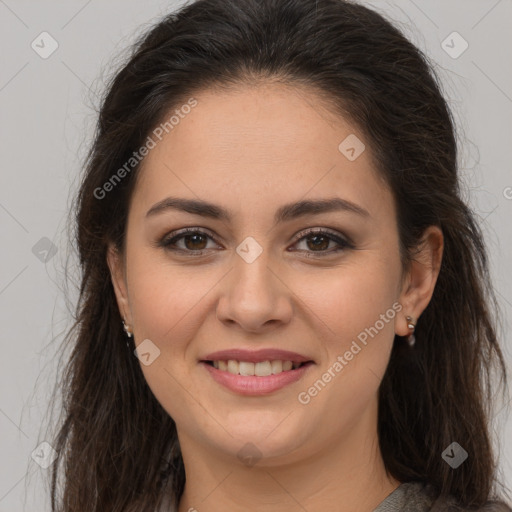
(268, 444)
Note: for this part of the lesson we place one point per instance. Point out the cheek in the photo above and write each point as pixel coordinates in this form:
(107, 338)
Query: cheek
(167, 299)
(350, 298)
(166, 305)
(354, 313)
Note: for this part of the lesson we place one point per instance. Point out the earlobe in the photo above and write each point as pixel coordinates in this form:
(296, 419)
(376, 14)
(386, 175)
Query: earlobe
(422, 277)
(116, 266)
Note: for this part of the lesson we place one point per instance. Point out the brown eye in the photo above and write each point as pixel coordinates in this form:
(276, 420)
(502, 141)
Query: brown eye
(318, 241)
(192, 240)
(195, 242)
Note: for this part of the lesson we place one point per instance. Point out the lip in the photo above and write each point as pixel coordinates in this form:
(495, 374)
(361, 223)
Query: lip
(257, 356)
(254, 385)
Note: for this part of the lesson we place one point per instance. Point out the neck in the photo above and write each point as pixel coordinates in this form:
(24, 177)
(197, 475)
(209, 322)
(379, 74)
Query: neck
(347, 474)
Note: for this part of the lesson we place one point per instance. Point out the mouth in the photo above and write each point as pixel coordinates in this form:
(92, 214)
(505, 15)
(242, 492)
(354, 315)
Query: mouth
(256, 372)
(255, 379)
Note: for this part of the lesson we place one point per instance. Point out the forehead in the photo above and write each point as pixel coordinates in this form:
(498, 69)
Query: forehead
(260, 144)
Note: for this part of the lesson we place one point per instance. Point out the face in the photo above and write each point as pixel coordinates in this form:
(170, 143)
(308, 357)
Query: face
(324, 283)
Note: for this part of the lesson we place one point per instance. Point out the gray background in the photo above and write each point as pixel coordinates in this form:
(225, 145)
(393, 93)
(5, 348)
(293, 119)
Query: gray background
(47, 118)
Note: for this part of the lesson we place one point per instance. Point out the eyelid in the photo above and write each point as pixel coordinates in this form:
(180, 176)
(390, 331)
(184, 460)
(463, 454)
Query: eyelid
(180, 233)
(324, 231)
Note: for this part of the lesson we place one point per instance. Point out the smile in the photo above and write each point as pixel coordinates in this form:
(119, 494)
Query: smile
(259, 378)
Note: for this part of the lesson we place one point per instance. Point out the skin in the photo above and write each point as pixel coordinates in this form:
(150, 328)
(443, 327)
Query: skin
(251, 150)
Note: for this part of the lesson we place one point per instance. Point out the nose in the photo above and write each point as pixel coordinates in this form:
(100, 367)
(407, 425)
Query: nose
(254, 296)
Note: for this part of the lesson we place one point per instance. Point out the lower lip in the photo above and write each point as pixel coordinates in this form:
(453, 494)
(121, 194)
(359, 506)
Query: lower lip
(253, 385)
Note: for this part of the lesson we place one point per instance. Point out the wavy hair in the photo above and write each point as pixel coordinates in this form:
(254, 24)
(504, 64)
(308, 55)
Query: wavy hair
(117, 447)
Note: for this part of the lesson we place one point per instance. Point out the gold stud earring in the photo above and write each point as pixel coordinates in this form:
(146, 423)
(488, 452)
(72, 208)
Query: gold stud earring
(411, 339)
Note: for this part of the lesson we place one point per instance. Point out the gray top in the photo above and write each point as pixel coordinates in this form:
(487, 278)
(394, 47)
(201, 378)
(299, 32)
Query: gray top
(418, 497)
(410, 497)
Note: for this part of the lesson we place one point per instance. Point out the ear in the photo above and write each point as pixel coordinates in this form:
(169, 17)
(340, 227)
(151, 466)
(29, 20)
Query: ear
(116, 265)
(421, 278)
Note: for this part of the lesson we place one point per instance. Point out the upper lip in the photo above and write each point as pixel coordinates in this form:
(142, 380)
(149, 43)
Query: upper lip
(256, 356)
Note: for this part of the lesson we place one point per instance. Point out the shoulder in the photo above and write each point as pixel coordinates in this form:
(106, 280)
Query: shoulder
(453, 506)
(450, 505)
(408, 497)
(421, 497)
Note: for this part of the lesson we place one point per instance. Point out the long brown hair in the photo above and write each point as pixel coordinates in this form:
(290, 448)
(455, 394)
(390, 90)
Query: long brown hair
(117, 447)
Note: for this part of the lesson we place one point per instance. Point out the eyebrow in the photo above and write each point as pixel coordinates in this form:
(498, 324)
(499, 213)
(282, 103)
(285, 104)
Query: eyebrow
(285, 213)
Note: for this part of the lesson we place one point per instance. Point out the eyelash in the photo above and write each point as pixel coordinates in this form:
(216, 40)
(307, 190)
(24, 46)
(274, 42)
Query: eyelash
(166, 242)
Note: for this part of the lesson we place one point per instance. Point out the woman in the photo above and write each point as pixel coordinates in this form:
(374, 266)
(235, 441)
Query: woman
(285, 303)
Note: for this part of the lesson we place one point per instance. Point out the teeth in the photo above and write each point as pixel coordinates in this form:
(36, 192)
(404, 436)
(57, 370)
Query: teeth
(246, 368)
(233, 367)
(287, 365)
(261, 369)
(277, 366)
